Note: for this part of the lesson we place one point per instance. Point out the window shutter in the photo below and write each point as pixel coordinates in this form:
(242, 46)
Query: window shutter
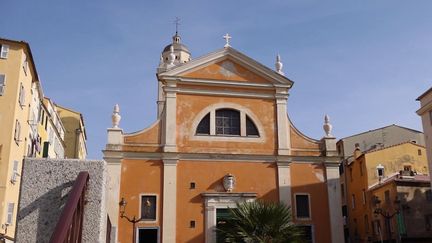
(10, 210)
(14, 172)
(4, 51)
(2, 83)
(302, 206)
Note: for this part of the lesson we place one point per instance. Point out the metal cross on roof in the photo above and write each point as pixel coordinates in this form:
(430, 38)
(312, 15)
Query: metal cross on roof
(177, 23)
(227, 38)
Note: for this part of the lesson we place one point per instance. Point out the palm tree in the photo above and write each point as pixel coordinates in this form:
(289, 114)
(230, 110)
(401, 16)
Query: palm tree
(259, 222)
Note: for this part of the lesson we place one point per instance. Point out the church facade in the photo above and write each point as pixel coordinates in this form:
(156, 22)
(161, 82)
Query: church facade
(222, 136)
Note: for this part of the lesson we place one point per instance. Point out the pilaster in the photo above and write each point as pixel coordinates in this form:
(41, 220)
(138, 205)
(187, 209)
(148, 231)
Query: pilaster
(284, 182)
(282, 121)
(169, 200)
(328, 149)
(170, 116)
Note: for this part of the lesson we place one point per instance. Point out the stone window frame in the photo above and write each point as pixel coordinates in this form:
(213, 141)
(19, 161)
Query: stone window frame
(157, 208)
(244, 113)
(148, 227)
(218, 200)
(309, 206)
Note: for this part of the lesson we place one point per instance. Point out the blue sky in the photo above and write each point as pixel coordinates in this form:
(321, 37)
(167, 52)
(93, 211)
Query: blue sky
(362, 62)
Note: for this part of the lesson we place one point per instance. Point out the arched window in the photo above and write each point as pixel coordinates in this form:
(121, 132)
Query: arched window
(251, 129)
(227, 122)
(204, 126)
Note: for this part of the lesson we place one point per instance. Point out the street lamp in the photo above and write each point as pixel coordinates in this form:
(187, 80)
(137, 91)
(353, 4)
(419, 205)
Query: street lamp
(133, 220)
(388, 216)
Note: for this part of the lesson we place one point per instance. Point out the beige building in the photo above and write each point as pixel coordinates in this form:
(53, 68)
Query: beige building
(75, 136)
(17, 76)
(425, 112)
(53, 144)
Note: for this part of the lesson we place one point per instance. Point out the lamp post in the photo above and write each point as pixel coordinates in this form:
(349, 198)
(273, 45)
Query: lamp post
(388, 216)
(133, 220)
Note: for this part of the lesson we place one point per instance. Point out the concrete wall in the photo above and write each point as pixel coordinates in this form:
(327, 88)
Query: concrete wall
(44, 192)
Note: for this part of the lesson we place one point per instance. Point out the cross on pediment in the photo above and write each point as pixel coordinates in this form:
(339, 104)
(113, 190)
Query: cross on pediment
(227, 38)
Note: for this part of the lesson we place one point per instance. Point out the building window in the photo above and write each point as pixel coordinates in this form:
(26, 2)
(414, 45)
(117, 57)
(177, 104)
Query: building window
(429, 195)
(227, 122)
(387, 197)
(302, 206)
(17, 133)
(343, 192)
(364, 197)
(21, 99)
(307, 233)
(353, 201)
(419, 152)
(380, 171)
(4, 51)
(9, 215)
(251, 129)
(430, 117)
(377, 227)
(366, 223)
(148, 207)
(428, 222)
(25, 64)
(15, 173)
(2, 84)
(204, 126)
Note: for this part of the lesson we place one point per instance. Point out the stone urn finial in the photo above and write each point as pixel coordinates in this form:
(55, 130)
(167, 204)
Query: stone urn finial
(229, 182)
(327, 126)
(279, 65)
(116, 116)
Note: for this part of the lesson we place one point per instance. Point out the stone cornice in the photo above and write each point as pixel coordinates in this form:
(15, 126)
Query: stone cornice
(252, 158)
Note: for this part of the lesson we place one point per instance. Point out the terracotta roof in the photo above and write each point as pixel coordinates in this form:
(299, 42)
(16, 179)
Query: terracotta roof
(394, 145)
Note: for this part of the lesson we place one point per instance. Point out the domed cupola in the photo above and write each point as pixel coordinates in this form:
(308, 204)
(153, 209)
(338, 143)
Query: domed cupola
(175, 53)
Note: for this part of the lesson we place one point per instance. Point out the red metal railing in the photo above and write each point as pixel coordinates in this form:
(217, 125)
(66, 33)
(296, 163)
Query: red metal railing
(69, 226)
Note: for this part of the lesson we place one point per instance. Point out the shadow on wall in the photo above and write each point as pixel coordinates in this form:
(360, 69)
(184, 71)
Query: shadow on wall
(46, 210)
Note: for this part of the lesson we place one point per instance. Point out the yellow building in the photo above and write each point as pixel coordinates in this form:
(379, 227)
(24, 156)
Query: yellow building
(222, 137)
(75, 136)
(17, 76)
(425, 112)
(370, 169)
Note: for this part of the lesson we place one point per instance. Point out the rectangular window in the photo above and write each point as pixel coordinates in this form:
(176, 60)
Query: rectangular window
(9, 216)
(364, 197)
(25, 64)
(307, 233)
(17, 133)
(14, 172)
(21, 96)
(419, 152)
(353, 201)
(2, 84)
(4, 51)
(366, 223)
(387, 196)
(148, 207)
(343, 192)
(429, 195)
(302, 206)
(377, 227)
(430, 117)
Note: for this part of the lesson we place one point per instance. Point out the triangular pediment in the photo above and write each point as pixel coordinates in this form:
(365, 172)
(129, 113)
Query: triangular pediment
(229, 65)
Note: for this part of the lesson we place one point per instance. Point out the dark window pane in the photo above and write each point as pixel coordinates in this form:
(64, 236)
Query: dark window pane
(251, 129)
(227, 122)
(204, 125)
(302, 206)
(306, 231)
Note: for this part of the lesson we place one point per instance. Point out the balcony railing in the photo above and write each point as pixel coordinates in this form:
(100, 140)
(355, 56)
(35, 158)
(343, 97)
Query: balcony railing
(69, 226)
